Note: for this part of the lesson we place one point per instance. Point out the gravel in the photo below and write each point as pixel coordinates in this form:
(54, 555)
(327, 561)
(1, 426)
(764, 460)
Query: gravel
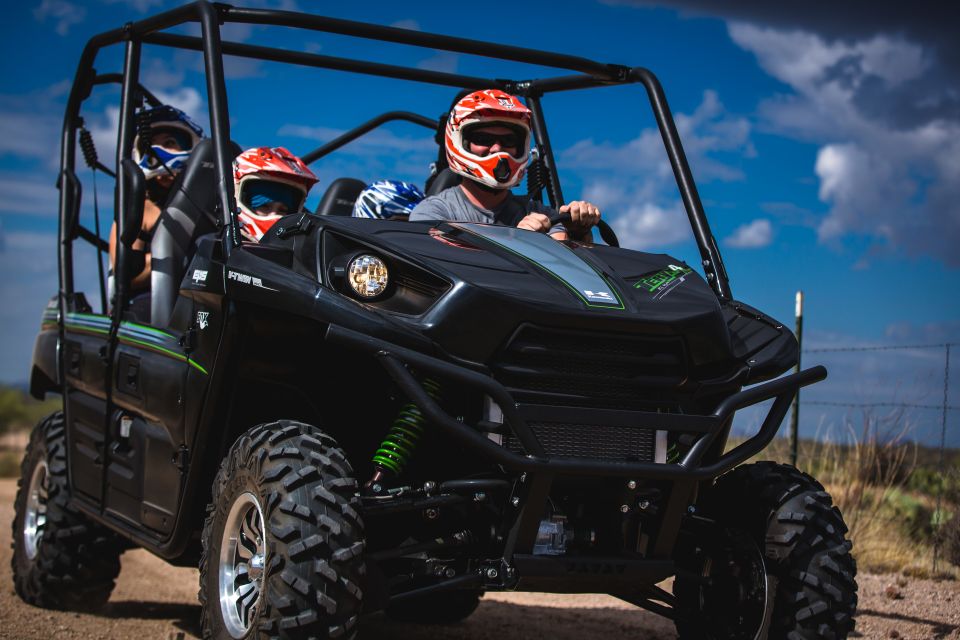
(155, 600)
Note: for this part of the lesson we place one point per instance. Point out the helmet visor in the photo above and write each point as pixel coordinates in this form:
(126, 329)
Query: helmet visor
(261, 194)
(509, 137)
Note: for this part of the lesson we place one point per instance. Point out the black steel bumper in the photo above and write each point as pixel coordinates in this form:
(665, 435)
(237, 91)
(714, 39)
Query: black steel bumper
(395, 360)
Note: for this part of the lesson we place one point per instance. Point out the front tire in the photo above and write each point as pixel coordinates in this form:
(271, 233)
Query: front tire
(778, 564)
(283, 539)
(61, 560)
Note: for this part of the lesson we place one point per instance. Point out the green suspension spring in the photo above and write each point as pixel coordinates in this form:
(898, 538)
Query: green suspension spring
(400, 442)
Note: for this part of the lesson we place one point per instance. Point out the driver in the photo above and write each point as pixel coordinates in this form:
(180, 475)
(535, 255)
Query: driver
(269, 183)
(487, 138)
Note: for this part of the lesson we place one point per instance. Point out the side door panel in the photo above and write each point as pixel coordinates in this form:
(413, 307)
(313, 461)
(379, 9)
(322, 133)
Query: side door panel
(146, 431)
(84, 345)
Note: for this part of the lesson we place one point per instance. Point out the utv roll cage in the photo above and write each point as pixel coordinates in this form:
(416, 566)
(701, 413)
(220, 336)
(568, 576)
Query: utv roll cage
(211, 16)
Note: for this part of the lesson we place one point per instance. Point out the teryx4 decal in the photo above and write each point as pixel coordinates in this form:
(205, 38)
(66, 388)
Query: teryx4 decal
(664, 281)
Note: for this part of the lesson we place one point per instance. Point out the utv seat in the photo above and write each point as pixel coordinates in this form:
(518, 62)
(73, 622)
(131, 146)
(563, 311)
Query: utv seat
(340, 196)
(190, 212)
(443, 180)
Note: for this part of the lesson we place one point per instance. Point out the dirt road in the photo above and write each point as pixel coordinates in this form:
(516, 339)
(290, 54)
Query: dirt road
(154, 600)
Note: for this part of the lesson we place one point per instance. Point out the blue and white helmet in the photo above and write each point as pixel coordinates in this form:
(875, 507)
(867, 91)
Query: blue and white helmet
(172, 136)
(387, 200)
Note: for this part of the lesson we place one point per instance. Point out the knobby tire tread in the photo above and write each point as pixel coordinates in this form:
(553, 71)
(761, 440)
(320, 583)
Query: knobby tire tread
(77, 560)
(314, 562)
(804, 545)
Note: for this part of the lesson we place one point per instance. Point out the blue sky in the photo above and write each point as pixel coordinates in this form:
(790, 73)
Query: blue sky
(826, 147)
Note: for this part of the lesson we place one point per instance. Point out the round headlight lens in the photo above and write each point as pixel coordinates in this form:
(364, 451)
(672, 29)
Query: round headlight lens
(368, 276)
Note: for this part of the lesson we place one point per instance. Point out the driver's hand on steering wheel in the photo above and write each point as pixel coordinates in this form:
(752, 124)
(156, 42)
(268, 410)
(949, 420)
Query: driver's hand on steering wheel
(583, 216)
(535, 222)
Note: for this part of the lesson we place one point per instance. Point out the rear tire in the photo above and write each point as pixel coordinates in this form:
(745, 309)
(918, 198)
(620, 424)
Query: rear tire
(440, 608)
(779, 563)
(283, 539)
(61, 560)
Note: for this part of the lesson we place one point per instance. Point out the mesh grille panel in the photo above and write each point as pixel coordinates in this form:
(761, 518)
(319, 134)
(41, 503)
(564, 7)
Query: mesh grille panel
(614, 444)
(595, 370)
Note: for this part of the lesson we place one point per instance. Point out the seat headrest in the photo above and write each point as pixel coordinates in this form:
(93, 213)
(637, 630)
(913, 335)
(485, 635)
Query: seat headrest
(190, 212)
(340, 196)
(443, 180)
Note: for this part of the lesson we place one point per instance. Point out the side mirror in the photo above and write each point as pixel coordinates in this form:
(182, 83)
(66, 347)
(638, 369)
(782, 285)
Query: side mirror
(134, 194)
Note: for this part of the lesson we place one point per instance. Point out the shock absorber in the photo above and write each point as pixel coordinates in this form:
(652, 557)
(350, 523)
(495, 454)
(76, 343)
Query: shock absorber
(88, 149)
(400, 443)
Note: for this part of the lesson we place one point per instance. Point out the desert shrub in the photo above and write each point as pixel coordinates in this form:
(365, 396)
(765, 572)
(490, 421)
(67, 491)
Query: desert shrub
(950, 538)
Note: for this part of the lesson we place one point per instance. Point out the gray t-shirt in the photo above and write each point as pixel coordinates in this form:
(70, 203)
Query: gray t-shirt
(453, 205)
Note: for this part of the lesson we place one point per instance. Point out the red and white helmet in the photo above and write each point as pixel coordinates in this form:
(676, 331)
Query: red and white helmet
(267, 175)
(486, 108)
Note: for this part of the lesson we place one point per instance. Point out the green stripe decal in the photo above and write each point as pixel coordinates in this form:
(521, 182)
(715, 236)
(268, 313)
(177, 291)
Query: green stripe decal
(554, 258)
(132, 334)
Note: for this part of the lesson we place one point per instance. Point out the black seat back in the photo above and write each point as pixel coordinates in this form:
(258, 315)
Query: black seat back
(340, 197)
(443, 180)
(188, 214)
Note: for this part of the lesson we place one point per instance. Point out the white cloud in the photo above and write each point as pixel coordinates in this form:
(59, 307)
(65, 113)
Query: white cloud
(141, 6)
(645, 226)
(29, 135)
(30, 123)
(22, 195)
(408, 23)
(888, 170)
(443, 61)
(65, 14)
(633, 183)
(754, 235)
(379, 140)
(32, 257)
(707, 132)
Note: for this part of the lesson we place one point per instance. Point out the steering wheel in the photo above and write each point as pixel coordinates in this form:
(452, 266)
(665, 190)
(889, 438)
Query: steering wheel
(606, 232)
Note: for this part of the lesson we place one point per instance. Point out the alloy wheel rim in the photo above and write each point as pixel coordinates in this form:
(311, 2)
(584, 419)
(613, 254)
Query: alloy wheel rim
(738, 602)
(242, 555)
(35, 513)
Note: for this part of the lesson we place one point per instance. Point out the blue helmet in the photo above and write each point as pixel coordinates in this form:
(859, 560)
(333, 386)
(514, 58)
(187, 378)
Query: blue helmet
(170, 134)
(388, 200)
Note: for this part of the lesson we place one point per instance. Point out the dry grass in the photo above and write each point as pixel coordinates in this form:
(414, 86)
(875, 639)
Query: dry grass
(867, 468)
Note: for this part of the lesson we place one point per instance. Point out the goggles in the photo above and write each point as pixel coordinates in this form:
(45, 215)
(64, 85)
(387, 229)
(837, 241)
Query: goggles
(486, 138)
(258, 193)
(163, 156)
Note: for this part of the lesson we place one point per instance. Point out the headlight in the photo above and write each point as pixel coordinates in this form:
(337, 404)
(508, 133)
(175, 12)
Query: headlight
(367, 276)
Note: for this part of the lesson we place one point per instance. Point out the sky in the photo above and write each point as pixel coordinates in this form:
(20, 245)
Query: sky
(825, 142)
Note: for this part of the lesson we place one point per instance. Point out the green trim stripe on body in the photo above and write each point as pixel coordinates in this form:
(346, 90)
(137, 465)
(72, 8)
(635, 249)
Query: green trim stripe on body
(574, 266)
(130, 334)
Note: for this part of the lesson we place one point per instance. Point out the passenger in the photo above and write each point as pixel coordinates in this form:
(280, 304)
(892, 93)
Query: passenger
(172, 136)
(269, 183)
(487, 140)
(387, 200)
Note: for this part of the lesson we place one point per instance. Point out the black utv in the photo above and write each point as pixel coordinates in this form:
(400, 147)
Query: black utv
(501, 411)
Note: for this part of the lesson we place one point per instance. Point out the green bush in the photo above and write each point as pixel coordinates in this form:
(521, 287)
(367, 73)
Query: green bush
(19, 411)
(914, 518)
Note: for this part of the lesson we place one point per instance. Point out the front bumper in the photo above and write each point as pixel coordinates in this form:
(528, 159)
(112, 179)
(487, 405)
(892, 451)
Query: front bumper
(707, 428)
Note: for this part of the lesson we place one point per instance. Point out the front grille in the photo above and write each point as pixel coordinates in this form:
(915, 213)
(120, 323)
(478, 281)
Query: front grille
(575, 368)
(610, 444)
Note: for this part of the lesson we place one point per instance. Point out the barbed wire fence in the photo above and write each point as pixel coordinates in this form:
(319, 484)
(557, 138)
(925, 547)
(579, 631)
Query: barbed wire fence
(944, 408)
